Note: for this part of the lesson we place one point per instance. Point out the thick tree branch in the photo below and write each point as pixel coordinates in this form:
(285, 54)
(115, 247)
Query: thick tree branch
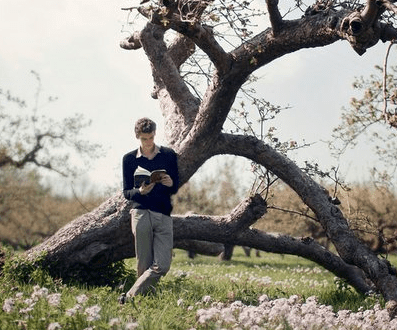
(284, 244)
(184, 17)
(312, 194)
(179, 105)
(224, 228)
(203, 37)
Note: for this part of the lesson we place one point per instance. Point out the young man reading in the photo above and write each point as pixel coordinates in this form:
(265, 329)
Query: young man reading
(151, 206)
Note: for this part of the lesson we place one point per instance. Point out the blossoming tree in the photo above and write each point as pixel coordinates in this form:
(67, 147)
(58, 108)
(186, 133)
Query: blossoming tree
(179, 32)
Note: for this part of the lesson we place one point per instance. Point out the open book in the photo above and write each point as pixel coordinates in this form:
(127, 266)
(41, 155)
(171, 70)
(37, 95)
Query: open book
(142, 175)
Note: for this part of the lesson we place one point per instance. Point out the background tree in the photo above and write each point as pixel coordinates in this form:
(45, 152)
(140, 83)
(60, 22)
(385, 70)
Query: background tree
(372, 115)
(30, 143)
(194, 128)
(28, 137)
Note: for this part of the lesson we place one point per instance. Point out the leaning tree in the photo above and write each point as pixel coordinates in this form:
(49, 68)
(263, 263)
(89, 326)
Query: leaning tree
(182, 32)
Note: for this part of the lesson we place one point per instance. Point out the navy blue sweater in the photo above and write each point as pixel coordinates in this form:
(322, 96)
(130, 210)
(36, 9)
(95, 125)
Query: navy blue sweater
(159, 199)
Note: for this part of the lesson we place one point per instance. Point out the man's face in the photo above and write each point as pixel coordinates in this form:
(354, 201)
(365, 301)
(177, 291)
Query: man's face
(147, 141)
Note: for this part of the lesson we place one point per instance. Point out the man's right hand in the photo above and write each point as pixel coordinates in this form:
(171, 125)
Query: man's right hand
(146, 188)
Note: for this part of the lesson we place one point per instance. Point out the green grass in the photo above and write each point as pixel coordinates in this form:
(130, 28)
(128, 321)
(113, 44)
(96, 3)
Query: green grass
(179, 294)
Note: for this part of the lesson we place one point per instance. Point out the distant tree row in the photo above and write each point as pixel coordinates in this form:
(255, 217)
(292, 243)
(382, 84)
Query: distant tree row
(31, 212)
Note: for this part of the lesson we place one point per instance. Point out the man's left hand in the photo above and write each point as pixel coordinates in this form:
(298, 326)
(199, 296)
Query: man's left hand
(166, 180)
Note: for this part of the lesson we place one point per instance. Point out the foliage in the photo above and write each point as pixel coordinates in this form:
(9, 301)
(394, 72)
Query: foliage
(191, 288)
(19, 269)
(111, 275)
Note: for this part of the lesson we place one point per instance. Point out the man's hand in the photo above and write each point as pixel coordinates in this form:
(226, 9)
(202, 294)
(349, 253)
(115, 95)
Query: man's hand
(146, 188)
(166, 180)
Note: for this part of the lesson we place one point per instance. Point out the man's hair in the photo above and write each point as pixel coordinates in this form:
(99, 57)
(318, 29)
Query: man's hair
(144, 125)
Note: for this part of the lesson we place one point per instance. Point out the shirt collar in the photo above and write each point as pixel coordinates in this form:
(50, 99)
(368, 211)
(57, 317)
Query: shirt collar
(156, 151)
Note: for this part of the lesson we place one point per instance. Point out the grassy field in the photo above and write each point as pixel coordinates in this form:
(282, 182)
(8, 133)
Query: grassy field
(203, 293)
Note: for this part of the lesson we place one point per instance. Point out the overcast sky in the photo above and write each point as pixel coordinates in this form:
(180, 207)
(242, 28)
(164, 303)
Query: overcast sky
(74, 46)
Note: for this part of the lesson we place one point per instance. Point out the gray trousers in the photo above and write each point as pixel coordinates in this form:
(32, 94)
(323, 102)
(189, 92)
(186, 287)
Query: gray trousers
(153, 233)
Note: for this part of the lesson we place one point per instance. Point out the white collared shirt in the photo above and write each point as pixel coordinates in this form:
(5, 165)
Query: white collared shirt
(156, 151)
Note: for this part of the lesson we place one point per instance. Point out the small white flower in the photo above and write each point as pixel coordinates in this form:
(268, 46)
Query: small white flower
(54, 299)
(81, 299)
(25, 310)
(93, 313)
(263, 298)
(39, 292)
(29, 301)
(8, 305)
(54, 326)
(74, 310)
(131, 325)
(179, 302)
(114, 321)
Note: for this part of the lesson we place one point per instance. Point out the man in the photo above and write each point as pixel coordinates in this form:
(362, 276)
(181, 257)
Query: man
(151, 206)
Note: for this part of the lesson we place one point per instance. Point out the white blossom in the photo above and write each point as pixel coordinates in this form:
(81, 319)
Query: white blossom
(93, 313)
(39, 293)
(8, 305)
(72, 311)
(54, 326)
(81, 299)
(276, 314)
(131, 325)
(114, 321)
(54, 299)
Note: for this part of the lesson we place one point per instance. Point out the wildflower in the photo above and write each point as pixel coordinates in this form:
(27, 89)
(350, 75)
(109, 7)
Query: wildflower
(26, 310)
(29, 301)
(263, 298)
(39, 292)
(8, 305)
(54, 299)
(74, 310)
(81, 299)
(227, 315)
(236, 305)
(131, 325)
(179, 302)
(114, 321)
(93, 313)
(54, 326)
(204, 315)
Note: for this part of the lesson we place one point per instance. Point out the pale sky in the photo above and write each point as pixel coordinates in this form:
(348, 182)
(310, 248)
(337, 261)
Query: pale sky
(74, 46)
